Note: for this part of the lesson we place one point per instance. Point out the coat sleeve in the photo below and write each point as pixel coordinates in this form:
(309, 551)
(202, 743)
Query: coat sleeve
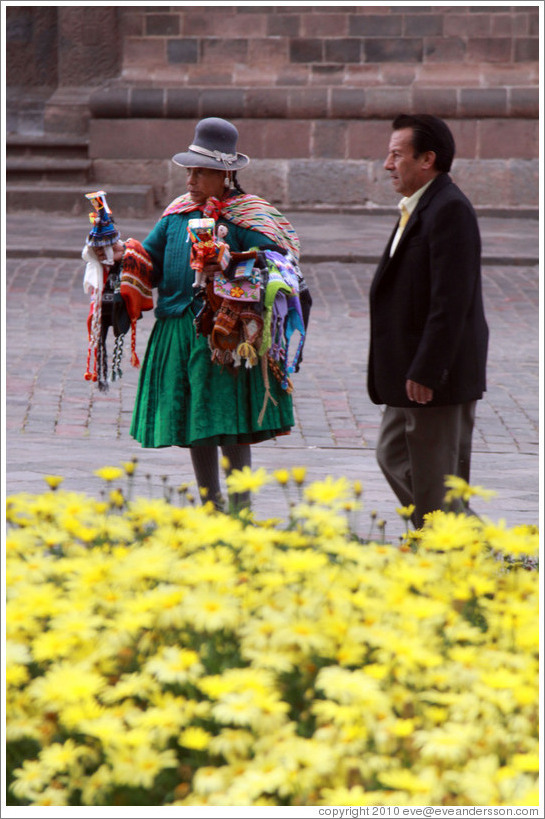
(454, 264)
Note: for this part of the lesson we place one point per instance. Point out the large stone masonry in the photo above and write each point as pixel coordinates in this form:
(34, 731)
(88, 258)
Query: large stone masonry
(312, 90)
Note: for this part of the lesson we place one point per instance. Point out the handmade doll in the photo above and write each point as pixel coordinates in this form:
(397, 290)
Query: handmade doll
(118, 279)
(207, 246)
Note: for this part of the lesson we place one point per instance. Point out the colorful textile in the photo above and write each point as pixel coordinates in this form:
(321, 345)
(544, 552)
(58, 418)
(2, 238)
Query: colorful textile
(184, 399)
(135, 287)
(119, 293)
(248, 211)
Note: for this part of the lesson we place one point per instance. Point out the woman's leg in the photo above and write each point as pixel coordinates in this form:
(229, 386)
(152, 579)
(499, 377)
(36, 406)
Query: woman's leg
(238, 456)
(206, 469)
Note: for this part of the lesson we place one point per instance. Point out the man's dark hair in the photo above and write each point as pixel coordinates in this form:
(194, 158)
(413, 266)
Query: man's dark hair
(429, 134)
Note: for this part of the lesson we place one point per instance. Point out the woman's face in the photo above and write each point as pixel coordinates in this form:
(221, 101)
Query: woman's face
(205, 182)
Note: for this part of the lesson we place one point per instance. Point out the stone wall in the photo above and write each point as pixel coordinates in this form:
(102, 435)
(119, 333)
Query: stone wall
(312, 90)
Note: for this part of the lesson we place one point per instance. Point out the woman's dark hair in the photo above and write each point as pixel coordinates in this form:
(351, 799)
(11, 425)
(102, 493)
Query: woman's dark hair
(236, 184)
(429, 134)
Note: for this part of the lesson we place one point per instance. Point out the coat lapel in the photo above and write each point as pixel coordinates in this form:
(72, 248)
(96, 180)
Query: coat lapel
(438, 183)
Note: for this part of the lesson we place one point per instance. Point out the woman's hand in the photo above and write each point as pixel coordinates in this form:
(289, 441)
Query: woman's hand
(210, 269)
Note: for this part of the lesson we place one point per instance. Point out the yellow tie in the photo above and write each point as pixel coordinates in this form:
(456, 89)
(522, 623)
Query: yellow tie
(404, 217)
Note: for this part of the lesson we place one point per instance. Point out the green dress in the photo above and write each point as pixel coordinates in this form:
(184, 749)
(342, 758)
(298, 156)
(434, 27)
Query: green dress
(183, 398)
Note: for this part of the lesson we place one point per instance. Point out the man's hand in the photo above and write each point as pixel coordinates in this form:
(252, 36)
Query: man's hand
(418, 392)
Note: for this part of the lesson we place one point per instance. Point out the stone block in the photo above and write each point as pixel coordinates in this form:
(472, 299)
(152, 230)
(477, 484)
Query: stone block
(293, 75)
(266, 102)
(326, 74)
(222, 102)
(483, 102)
(152, 174)
(182, 102)
(524, 183)
(132, 22)
(182, 50)
(306, 50)
(509, 138)
(434, 74)
(308, 103)
(162, 25)
(486, 184)
(422, 25)
(489, 49)
(523, 102)
(467, 25)
(375, 25)
(513, 74)
(386, 49)
(444, 50)
(210, 75)
(252, 137)
(526, 49)
(143, 53)
(465, 133)
(283, 25)
(329, 139)
(287, 139)
(441, 102)
(144, 139)
(323, 23)
(533, 22)
(146, 102)
(347, 103)
(256, 75)
(110, 102)
(502, 25)
(327, 182)
(399, 74)
(202, 22)
(343, 50)
(368, 139)
(266, 178)
(387, 102)
(271, 53)
(244, 23)
(363, 75)
(217, 50)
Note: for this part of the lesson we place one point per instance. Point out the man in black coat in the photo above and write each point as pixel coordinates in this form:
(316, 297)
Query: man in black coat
(429, 336)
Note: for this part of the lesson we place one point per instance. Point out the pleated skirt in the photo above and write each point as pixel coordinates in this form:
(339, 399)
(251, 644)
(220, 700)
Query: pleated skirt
(184, 399)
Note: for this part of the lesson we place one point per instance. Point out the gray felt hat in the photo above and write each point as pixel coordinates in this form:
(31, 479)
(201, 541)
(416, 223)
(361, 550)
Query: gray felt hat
(214, 146)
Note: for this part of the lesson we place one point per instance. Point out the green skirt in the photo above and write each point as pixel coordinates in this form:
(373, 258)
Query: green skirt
(183, 399)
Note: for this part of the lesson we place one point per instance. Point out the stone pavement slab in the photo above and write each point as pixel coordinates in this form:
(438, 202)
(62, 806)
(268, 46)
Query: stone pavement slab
(57, 423)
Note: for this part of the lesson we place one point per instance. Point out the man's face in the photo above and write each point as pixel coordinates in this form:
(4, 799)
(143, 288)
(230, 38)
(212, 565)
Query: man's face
(407, 172)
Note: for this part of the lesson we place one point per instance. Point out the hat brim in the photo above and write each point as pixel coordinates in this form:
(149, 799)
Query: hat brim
(191, 159)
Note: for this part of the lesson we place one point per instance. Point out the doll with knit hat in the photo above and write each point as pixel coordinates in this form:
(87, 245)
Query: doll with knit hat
(118, 278)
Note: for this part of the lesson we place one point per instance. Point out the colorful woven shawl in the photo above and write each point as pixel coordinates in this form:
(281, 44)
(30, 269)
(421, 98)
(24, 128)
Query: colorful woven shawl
(247, 211)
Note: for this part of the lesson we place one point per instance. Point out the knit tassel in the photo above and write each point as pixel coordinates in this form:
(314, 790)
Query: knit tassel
(135, 361)
(245, 350)
(91, 373)
(268, 396)
(117, 372)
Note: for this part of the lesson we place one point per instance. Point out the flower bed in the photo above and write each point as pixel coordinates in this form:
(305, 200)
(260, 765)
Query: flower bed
(163, 653)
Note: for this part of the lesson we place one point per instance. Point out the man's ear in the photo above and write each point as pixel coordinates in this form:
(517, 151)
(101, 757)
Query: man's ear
(428, 159)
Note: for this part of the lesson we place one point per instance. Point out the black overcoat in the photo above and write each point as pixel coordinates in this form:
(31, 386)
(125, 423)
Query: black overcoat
(426, 305)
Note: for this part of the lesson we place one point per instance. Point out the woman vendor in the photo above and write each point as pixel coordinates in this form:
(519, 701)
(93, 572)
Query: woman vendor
(184, 397)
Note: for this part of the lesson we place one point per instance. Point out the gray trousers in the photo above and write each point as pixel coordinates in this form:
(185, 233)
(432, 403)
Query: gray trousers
(419, 446)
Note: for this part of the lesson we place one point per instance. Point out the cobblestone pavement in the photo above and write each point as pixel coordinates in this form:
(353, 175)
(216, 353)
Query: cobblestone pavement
(57, 423)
